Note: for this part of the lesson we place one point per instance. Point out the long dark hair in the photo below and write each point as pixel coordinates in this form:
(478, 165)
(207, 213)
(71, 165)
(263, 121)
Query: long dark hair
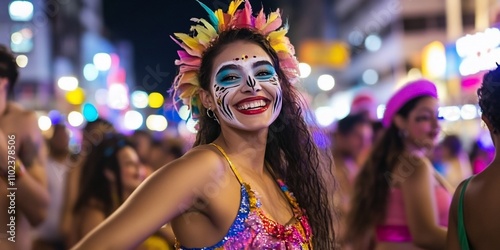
(93, 184)
(373, 182)
(291, 151)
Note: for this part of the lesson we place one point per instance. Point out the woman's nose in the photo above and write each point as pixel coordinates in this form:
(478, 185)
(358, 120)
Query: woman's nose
(251, 85)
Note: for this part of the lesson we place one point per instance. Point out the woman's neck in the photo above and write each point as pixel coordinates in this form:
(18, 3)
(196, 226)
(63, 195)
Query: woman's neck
(413, 147)
(246, 149)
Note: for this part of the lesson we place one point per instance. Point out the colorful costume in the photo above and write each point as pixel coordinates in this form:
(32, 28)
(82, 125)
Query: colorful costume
(252, 229)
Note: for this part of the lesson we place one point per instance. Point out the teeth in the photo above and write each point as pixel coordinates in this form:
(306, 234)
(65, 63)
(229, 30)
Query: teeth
(253, 104)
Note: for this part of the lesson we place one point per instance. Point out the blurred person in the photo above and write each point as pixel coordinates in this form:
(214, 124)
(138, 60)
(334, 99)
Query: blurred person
(174, 149)
(47, 235)
(143, 140)
(364, 103)
(157, 156)
(455, 162)
(110, 173)
(229, 191)
(399, 200)
(164, 151)
(92, 134)
(27, 155)
(352, 136)
(474, 219)
(481, 155)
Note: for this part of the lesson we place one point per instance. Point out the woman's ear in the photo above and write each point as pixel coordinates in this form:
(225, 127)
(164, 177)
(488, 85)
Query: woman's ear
(206, 99)
(488, 123)
(400, 122)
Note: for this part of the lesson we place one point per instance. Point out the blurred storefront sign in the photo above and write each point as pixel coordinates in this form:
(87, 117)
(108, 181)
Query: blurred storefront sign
(333, 54)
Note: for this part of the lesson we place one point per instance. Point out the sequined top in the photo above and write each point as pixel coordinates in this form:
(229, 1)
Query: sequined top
(252, 229)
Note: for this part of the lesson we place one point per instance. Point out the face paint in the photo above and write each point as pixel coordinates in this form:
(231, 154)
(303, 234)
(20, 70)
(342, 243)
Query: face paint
(245, 88)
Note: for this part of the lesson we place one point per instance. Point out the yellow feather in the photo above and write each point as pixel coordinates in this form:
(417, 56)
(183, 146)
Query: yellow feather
(202, 35)
(280, 47)
(210, 29)
(190, 42)
(234, 6)
(220, 15)
(280, 34)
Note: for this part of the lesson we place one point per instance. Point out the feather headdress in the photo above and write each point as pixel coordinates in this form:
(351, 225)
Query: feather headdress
(186, 85)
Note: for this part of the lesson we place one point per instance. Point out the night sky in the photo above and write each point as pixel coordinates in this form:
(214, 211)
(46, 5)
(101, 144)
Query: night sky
(148, 25)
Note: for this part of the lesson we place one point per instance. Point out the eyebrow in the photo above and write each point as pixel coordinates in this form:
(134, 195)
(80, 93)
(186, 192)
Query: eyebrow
(260, 63)
(236, 67)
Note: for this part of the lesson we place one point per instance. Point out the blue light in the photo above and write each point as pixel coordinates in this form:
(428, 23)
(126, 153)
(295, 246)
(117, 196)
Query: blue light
(55, 117)
(90, 112)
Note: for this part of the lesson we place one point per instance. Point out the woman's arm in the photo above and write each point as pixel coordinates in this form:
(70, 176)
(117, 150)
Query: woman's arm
(163, 196)
(420, 203)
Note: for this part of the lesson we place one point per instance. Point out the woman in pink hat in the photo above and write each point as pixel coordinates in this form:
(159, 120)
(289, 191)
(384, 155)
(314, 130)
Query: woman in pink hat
(399, 201)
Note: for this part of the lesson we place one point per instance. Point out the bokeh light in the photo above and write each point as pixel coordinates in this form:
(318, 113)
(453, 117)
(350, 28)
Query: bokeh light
(133, 120)
(22, 61)
(305, 70)
(21, 11)
(90, 112)
(373, 43)
(139, 99)
(326, 82)
(184, 112)
(76, 97)
(90, 72)
(156, 123)
(75, 118)
(155, 100)
(370, 76)
(118, 96)
(44, 123)
(67, 83)
(102, 61)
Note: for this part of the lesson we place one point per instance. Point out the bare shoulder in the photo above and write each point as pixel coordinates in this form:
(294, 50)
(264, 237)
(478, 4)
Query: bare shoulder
(202, 163)
(411, 168)
(203, 157)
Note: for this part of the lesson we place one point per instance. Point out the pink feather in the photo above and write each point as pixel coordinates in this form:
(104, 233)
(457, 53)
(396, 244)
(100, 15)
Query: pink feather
(260, 20)
(273, 25)
(242, 18)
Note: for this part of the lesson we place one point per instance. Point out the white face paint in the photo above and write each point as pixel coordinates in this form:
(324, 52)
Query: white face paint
(247, 92)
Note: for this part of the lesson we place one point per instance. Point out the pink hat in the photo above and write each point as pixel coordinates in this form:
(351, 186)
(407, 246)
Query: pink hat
(421, 87)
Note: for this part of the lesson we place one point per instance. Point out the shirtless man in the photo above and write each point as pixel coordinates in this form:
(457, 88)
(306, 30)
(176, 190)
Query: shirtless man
(23, 196)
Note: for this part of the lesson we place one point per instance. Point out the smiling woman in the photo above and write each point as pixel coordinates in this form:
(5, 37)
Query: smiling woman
(255, 178)
(245, 87)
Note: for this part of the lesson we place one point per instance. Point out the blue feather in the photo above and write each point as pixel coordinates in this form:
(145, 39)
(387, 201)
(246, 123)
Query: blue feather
(211, 15)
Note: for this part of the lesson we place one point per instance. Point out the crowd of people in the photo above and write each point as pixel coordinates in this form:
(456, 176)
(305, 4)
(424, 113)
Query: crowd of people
(255, 177)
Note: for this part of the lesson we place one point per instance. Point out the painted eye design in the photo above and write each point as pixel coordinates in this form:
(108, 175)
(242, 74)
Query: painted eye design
(230, 78)
(264, 73)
